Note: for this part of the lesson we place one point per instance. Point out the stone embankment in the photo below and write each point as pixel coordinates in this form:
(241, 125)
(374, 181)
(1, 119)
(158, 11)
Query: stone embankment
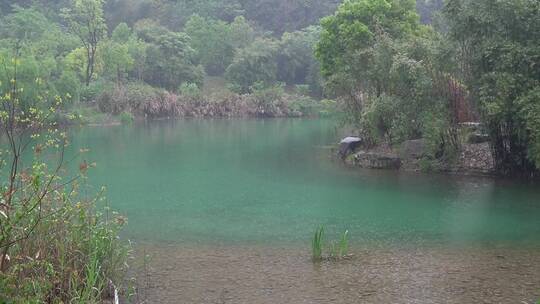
(472, 159)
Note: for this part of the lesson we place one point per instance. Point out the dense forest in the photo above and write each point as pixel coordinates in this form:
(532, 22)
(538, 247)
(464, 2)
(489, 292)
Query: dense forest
(391, 70)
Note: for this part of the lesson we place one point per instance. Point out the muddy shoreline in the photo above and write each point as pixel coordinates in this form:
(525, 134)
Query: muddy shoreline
(259, 274)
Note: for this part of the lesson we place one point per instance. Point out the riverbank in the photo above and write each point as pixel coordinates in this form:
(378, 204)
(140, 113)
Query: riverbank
(259, 275)
(115, 110)
(471, 159)
(146, 102)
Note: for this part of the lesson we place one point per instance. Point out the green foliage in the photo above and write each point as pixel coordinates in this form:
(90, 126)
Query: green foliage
(336, 249)
(254, 64)
(216, 42)
(54, 247)
(190, 90)
(27, 24)
(367, 50)
(388, 73)
(172, 43)
(282, 16)
(211, 40)
(426, 165)
(305, 105)
(427, 9)
(276, 16)
(68, 86)
(530, 113)
(121, 33)
(317, 244)
(355, 26)
(340, 249)
(169, 57)
(91, 92)
(126, 118)
(85, 20)
(296, 55)
(117, 60)
(267, 95)
(497, 43)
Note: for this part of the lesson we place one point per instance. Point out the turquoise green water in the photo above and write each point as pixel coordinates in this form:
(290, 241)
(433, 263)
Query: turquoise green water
(260, 181)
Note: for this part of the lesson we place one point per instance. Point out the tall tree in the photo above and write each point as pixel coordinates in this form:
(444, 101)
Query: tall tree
(85, 20)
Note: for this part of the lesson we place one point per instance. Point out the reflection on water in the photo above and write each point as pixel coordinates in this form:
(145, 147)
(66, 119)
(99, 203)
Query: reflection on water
(260, 181)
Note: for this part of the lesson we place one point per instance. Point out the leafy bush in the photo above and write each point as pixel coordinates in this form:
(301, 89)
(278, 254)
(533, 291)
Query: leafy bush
(267, 95)
(302, 89)
(54, 246)
(191, 90)
(126, 117)
(113, 101)
(91, 92)
(138, 94)
(302, 104)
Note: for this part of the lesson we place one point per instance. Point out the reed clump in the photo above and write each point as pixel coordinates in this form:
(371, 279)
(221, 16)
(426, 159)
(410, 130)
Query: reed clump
(336, 249)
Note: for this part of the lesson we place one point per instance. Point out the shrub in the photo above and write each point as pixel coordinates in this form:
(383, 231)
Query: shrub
(302, 104)
(302, 89)
(54, 246)
(113, 101)
(140, 93)
(126, 118)
(91, 92)
(267, 95)
(190, 90)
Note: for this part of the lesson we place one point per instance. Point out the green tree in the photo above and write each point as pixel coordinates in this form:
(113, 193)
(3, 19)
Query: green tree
(354, 28)
(296, 57)
(354, 49)
(170, 59)
(255, 64)
(85, 20)
(121, 33)
(211, 40)
(241, 33)
(115, 52)
(117, 60)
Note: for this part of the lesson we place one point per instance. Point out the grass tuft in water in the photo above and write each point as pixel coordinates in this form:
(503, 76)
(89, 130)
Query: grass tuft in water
(344, 244)
(336, 249)
(317, 244)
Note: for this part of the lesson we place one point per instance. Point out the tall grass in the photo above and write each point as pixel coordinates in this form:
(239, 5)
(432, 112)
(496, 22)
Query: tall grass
(74, 256)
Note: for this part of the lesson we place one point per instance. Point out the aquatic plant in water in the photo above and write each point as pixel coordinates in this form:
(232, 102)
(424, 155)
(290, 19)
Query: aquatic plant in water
(337, 250)
(317, 244)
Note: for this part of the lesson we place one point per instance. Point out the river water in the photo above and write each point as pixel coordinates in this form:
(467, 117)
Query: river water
(226, 209)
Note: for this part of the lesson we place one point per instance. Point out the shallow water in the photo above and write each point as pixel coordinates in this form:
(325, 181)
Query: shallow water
(268, 275)
(226, 208)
